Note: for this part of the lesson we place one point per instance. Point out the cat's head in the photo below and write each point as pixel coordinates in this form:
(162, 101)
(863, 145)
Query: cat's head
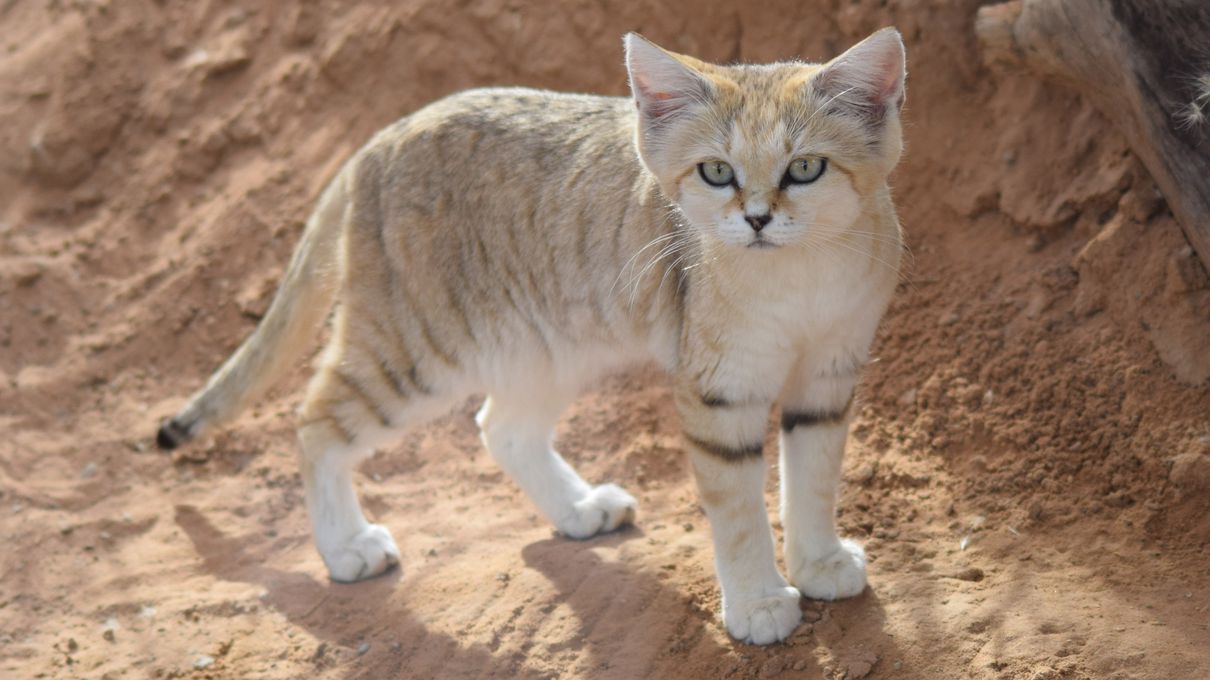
(770, 155)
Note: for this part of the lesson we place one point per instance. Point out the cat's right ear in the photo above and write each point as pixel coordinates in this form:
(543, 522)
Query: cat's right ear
(663, 85)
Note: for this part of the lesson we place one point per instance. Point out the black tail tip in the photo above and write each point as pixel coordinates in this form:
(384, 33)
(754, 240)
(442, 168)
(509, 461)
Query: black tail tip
(171, 435)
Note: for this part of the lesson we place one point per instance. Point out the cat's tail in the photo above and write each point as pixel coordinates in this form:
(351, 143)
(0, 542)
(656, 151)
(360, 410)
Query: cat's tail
(302, 302)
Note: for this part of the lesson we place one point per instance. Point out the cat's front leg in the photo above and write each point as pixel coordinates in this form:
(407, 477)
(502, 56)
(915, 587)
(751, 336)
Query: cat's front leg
(724, 442)
(518, 430)
(814, 426)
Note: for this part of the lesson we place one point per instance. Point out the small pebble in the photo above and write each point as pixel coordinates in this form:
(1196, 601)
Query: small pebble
(773, 667)
(363, 648)
(203, 661)
(89, 471)
(970, 574)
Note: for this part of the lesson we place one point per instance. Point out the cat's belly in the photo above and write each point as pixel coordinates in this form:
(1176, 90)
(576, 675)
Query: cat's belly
(572, 353)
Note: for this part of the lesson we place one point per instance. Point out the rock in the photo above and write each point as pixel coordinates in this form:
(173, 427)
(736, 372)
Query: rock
(1190, 471)
(864, 473)
(363, 648)
(27, 273)
(227, 55)
(773, 667)
(859, 665)
(89, 471)
(203, 661)
(970, 574)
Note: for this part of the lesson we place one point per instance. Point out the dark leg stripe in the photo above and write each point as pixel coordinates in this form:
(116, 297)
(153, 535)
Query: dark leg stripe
(418, 382)
(727, 452)
(793, 419)
(334, 422)
(364, 397)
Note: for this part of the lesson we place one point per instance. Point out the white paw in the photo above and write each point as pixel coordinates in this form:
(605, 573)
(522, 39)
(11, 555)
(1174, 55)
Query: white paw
(765, 620)
(604, 508)
(840, 574)
(367, 554)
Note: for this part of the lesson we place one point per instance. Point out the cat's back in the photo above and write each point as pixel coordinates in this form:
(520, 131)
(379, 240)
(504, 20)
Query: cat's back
(514, 129)
(537, 190)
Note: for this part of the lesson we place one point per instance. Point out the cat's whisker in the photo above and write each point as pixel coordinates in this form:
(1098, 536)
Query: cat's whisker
(864, 253)
(630, 262)
(667, 250)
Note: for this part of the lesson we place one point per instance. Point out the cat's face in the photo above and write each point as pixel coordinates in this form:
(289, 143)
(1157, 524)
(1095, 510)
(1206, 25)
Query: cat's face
(762, 157)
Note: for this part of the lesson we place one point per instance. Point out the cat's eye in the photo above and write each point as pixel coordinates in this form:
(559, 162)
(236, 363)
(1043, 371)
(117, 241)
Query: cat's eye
(716, 173)
(806, 169)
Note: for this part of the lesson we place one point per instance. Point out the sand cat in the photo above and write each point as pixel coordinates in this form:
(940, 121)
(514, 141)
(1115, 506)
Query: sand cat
(731, 223)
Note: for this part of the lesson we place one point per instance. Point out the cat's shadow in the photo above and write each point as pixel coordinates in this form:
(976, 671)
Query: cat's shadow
(624, 619)
(638, 622)
(340, 614)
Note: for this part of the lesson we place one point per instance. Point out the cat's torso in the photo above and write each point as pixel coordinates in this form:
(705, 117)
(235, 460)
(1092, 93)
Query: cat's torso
(518, 275)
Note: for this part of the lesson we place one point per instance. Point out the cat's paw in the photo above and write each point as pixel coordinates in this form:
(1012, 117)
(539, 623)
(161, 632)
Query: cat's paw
(840, 574)
(367, 554)
(604, 508)
(764, 620)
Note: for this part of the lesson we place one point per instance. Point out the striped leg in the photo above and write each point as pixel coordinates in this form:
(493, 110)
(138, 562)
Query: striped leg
(351, 547)
(724, 443)
(814, 425)
(357, 400)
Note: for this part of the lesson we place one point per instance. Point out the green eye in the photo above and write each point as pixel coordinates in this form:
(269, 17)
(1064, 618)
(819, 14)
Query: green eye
(805, 170)
(716, 173)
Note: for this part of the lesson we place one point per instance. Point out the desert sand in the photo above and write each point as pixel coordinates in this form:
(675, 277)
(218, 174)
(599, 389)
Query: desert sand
(1029, 469)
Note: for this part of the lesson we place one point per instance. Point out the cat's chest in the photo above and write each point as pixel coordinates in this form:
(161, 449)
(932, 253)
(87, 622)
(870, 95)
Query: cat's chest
(810, 306)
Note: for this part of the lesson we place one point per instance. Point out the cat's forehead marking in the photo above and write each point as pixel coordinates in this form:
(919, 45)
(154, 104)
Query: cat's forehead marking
(768, 107)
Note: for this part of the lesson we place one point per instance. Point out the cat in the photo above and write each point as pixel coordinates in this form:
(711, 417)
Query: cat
(731, 223)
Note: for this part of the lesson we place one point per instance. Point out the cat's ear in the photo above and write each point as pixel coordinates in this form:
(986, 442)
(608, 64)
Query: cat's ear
(663, 84)
(867, 80)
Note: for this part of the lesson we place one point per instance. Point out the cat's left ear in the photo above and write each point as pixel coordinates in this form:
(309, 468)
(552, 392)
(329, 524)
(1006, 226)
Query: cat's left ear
(866, 81)
(664, 85)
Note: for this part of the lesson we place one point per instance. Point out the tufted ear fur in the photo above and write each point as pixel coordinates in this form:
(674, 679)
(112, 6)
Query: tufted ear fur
(664, 85)
(867, 81)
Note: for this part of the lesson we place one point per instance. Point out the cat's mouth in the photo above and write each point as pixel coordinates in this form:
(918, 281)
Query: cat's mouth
(760, 243)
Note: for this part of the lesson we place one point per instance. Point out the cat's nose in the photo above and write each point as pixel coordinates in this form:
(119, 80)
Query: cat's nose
(758, 222)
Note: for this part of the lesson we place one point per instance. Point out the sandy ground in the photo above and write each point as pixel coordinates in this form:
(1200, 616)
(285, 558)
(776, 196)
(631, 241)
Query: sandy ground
(1030, 468)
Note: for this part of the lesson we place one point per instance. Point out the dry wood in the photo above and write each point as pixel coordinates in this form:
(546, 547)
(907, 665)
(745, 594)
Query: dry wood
(1144, 63)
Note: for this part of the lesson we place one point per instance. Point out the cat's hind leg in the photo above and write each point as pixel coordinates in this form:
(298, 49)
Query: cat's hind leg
(332, 442)
(518, 431)
(362, 397)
